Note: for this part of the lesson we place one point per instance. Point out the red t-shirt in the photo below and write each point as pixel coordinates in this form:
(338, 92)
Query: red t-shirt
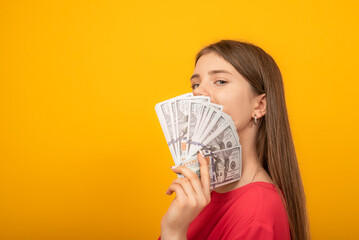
(253, 211)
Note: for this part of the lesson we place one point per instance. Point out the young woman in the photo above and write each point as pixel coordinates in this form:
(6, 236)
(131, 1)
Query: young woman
(268, 202)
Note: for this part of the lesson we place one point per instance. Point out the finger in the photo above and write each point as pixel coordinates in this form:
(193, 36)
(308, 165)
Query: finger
(176, 188)
(192, 177)
(205, 181)
(186, 186)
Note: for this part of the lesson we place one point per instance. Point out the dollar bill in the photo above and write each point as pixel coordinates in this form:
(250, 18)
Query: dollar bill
(164, 116)
(196, 110)
(174, 122)
(192, 123)
(183, 122)
(225, 166)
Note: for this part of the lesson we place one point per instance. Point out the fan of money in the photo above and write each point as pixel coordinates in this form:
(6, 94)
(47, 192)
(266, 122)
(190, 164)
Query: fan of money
(192, 123)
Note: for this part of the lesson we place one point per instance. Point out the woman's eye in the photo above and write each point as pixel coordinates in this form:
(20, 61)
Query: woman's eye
(194, 86)
(220, 82)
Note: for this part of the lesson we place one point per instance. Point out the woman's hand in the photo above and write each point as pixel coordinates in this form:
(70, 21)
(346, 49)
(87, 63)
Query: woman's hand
(192, 195)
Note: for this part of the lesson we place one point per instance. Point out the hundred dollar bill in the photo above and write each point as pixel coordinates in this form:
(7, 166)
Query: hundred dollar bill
(206, 112)
(173, 115)
(225, 166)
(182, 119)
(183, 122)
(196, 110)
(179, 107)
(164, 116)
(214, 112)
(224, 135)
(217, 120)
(193, 164)
(167, 115)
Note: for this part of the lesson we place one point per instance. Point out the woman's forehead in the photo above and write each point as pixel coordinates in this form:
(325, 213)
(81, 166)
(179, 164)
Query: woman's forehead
(212, 61)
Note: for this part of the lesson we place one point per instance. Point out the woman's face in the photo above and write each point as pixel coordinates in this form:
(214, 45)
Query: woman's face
(218, 79)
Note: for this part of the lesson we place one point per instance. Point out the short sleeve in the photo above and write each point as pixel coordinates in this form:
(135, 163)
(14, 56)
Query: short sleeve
(255, 230)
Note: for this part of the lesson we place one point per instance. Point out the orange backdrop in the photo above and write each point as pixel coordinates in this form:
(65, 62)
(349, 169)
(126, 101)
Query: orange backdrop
(82, 154)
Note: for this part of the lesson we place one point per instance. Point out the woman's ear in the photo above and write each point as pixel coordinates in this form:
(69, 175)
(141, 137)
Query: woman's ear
(261, 105)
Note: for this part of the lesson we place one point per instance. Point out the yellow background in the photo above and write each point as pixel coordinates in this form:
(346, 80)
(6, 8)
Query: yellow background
(82, 154)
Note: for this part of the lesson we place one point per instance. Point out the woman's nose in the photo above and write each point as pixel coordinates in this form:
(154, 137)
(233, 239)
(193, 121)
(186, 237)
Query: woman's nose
(201, 90)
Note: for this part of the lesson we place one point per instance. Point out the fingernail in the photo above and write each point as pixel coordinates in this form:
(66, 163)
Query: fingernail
(200, 151)
(173, 167)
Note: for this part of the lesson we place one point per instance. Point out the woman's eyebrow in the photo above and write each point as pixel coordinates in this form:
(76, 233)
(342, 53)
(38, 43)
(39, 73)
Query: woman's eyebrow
(219, 71)
(212, 72)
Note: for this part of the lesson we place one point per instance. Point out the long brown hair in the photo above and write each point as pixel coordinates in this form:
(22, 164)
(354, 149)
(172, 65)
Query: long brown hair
(274, 141)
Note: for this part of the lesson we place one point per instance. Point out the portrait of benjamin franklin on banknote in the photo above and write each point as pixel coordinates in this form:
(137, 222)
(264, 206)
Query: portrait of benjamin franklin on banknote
(220, 171)
(221, 165)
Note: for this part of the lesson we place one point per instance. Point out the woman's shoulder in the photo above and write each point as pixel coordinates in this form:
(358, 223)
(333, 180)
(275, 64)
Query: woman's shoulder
(258, 201)
(265, 195)
(266, 209)
(262, 195)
